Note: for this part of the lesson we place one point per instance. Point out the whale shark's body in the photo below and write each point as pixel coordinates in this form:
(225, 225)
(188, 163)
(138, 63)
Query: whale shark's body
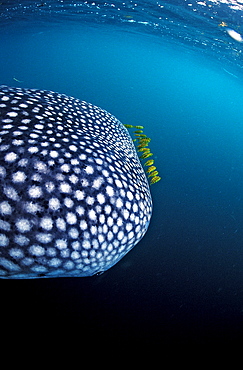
(74, 198)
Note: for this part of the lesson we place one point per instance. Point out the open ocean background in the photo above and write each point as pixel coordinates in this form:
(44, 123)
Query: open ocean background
(172, 67)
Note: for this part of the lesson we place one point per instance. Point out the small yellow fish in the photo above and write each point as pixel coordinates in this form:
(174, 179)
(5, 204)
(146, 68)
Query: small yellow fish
(151, 169)
(146, 155)
(143, 142)
(152, 174)
(149, 162)
(155, 179)
(143, 149)
(142, 145)
(141, 135)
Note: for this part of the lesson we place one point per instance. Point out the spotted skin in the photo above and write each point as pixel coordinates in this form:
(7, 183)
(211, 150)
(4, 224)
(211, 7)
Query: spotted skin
(74, 198)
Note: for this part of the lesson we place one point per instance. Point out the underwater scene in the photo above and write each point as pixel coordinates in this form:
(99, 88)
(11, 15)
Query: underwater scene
(121, 168)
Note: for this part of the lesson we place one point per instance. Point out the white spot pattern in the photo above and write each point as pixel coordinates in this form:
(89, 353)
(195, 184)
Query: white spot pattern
(10, 157)
(74, 198)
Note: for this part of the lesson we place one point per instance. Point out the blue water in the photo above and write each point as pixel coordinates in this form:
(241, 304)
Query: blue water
(170, 67)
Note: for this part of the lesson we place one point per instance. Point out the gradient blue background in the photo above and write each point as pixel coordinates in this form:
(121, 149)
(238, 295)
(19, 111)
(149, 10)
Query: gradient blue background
(183, 281)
